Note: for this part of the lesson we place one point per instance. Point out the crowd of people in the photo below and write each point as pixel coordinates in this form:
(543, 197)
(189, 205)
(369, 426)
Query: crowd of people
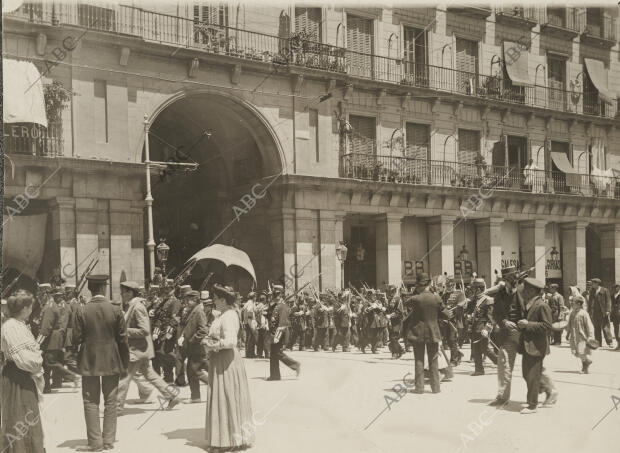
(170, 335)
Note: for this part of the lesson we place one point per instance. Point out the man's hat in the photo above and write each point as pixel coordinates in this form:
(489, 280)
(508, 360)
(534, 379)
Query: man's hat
(97, 278)
(4, 301)
(169, 281)
(191, 293)
(130, 285)
(45, 287)
(204, 295)
(278, 288)
(535, 283)
(554, 286)
(183, 290)
(509, 270)
(596, 280)
(478, 282)
(422, 279)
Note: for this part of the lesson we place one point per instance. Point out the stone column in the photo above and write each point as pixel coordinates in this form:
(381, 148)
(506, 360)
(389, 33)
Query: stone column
(610, 252)
(489, 253)
(63, 235)
(573, 236)
(331, 223)
(440, 245)
(307, 247)
(532, 242)
(388, 243)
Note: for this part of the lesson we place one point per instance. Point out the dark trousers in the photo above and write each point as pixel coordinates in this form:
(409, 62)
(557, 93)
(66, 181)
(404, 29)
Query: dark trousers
(165, 362)
(250, 342)
(342, 337)
(432, 350)
(479, 346)
(557, 337)
(394, 345)
(320, 338)
(52, 360)
(260, 343)
(373, 337)
(297, 334)
(599, 324)
(195, 373)
(616, 323)
(532, 371)
(278, 355)
(92, 387)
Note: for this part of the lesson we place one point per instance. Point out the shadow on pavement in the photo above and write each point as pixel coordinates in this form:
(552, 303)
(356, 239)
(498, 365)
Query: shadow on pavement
(194, 437)
(73, 443)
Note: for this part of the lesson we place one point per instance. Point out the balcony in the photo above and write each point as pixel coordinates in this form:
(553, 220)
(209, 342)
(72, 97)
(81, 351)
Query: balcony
(477, 12)
(33, 139)
(290, 51)
(598, 31)
(516, 16)
(404, 170)
(559, 22)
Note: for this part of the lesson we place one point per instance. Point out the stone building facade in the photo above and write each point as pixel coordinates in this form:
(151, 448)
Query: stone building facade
(407, 133)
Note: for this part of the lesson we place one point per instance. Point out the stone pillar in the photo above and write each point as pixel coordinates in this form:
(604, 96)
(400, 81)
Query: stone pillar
(63, 235)
(126, 252)
(388, 243)
(532, 242)
(610, 253)
(307, 248)
(440, 245)
(573, 236)
(489, 253)
(331, 223)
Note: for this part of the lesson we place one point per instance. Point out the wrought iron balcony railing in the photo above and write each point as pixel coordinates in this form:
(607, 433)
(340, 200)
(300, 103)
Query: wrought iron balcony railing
(599, 27)
(33, 139)
(518, 13)
(290, 50)
(562, 18)
(405, 170)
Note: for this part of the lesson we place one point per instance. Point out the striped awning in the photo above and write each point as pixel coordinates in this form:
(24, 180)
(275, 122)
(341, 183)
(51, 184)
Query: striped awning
(599, 77)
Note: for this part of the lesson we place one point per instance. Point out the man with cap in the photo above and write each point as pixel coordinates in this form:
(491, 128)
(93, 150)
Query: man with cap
(507, 311)
(52, 342)
(298, 321)
(556, 303)
(279, 324)
(421, 328)
(534, 341)
(248, 322)
(599, 308)
(615, 313)
(100, 332)
(140, 348)
(479, 307)
(167, 318)
(193, 330)
(453, 300)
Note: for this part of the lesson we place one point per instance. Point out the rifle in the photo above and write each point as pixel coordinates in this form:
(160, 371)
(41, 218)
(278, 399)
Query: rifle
(205, 282)
(298, 291)
(10, 286)
(83, 276)
(184, 273)
(88, 270)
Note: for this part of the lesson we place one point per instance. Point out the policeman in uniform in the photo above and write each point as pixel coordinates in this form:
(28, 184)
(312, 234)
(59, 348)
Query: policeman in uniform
(480, 308)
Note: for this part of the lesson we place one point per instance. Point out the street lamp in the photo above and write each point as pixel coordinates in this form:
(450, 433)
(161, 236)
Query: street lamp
(162, 255)
(341, 253)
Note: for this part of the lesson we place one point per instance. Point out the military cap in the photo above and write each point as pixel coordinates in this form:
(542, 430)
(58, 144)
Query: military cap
(97, 278)
(4, 301)
(478, 282)
(130, 285)
(153, 286)
(183, 290)
(191, 293)
(554, 286)
(278, 288)
(169, 281)
(45, 287)
(596, 280)
(535, 283)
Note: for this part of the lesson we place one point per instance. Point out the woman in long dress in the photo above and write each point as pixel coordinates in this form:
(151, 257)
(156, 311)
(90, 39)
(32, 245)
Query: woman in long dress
(22, 380)
(229, 413)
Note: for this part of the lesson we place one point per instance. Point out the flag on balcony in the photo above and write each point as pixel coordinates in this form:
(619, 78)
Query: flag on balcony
(516, 61)
(598, 76)
(23, 93)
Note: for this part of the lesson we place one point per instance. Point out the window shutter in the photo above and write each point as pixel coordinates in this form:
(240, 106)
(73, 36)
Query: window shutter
(469, 146)
(363, 135)
(359, 40)
(417, 141)
(309, 19)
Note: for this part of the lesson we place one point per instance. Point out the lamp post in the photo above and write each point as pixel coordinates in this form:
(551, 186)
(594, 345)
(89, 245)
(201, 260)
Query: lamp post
(162, 255)
(341, 253)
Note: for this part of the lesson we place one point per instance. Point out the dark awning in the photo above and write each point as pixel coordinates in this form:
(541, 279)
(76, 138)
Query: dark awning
(598, 76)
(561, 161)
(516, 65)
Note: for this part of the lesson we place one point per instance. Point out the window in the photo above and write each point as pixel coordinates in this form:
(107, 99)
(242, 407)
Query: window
(592, 104)
(309, 20)
(313, 131)
(467, 66)
(209, 23)
(100, 108)
(418, 141)
(416, 71)
(594, 21)
(360, 44)
(96, 17)
(556, 80)
(469, 149)
(363, 134)
(555, 16)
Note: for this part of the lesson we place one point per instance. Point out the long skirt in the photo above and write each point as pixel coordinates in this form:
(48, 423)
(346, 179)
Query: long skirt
(229, 411)
(22, 431)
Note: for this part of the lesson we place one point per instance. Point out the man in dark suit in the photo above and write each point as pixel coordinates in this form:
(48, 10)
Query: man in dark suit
(279, 324)
(480, 308)
(421, 328)
(194, 329)
(599, 307)
(101, 334)
(141, 349)
(534, 341)
(615, 313)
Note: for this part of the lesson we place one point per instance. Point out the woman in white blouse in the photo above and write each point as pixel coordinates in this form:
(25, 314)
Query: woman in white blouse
(22, 380)
(229, 412)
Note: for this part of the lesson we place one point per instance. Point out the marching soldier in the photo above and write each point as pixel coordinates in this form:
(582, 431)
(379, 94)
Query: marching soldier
(298, 322)
(321, 323)
(343, 323)
(167, 317)
(279, 324)
(480, 308)
(454, 301)
(193, 330)
(309, 318)
(394, 314)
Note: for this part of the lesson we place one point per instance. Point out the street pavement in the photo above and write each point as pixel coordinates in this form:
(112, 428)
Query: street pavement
(354, 402)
